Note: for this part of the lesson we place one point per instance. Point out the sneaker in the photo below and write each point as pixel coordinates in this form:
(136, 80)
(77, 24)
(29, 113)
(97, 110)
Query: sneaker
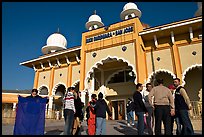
(128, 125)
(133, 124)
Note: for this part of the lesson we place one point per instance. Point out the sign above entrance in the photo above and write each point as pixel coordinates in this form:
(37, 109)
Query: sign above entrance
(109, 34)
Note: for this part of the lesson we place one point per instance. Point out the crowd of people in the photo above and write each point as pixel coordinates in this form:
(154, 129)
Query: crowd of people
(152, 107)
(161, 104)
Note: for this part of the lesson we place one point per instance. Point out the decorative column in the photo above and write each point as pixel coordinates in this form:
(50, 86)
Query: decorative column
(50, 106)
(83, 96)
(14, 106)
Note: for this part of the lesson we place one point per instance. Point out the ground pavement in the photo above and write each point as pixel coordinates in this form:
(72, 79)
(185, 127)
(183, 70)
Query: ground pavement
(114, 127)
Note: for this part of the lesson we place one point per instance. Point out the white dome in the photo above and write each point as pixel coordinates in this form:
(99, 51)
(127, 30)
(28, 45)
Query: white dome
(128, 9)
(94, 21)
(130, 5)
(55, 42)
(94, 18)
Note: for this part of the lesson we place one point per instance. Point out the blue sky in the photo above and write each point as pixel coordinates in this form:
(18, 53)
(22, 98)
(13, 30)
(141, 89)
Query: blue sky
(27, 25)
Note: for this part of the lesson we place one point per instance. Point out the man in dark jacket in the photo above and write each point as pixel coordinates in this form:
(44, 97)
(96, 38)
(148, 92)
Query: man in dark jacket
(182, 106)
(140, 108)
(101, 109)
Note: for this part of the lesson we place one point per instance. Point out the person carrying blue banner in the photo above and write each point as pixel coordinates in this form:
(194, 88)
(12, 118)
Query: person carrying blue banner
(30, 115)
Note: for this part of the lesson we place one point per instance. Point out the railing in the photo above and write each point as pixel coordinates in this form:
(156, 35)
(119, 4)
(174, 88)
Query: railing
(11, 113)
(196, 112)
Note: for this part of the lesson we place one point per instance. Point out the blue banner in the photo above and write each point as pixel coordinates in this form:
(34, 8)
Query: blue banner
(30, 116)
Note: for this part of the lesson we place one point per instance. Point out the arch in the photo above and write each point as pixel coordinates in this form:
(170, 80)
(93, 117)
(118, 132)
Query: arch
(41, 87)
(158, 71)
(75, 83)
(113, 74)
(102, 61)
(56, 86)
(187, 70)
(192, 81)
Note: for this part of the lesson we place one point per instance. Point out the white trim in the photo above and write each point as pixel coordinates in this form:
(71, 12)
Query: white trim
(191, 32)
(77, 58)
(100, 62)
(49, 63)
(155, 41)
(41, 86)
(42, 65)
(75, 83)
(34, 67)
(67, 59)
(169, 27)
(49, 56)
(157, 71)
(56, 86)
(112, 75)
(58, 63)
(172, 37)
(187, 70)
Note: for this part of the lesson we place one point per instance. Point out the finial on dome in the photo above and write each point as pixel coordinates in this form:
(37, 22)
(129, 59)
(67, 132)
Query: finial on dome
(94, 12)
(58, 30)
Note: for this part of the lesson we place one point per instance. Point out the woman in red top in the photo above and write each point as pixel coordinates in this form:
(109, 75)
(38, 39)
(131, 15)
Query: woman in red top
(91, 115)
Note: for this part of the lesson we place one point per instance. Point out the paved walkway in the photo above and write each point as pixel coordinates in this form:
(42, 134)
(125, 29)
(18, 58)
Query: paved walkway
(114, 127)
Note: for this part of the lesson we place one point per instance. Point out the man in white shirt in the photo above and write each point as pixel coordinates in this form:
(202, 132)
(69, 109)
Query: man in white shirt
(69, 110)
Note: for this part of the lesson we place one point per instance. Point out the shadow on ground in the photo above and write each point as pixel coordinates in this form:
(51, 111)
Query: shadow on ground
(54, 132)
(125, 129)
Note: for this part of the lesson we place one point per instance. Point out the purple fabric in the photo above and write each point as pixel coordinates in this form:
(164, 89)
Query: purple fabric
(30, 116)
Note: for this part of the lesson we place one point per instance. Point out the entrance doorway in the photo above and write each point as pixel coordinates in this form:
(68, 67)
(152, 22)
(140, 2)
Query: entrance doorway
(119, 109)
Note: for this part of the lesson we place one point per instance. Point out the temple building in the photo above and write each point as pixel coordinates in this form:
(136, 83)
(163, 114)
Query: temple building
(113, 59)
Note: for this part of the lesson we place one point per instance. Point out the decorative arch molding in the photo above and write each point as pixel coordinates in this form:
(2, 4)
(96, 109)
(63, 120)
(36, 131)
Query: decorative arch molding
(157, 71)
(112, 75)
(187, 70)
(102, 61)
(40, 88)
(56, 86)
(75, 83)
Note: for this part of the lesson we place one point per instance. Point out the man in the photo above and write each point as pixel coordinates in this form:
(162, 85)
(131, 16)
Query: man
(140, 108)
(182, 105)
(101, 109)
(91, 115)
(69, 110)
(130, 109)
(149, 118)
(175, 117)
(30, 115)
(163, 107)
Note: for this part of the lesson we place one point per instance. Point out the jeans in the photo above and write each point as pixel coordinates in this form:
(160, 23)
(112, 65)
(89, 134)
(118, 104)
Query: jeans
(178, 125)
(162, 113)
(187, 128)
(100, 126)
(69, 119)
(140, 123)
(130, 117)
(149, 120)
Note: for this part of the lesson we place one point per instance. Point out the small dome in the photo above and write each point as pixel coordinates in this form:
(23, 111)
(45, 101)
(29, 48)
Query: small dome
(94, 22)
(94, 18)
(130, 9)
(55, 42)
(130, 5)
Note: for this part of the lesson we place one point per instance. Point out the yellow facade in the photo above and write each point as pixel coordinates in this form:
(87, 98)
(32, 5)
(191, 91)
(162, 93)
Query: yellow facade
(127, 54)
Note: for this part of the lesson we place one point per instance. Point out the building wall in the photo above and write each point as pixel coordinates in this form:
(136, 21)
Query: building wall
(165, 61)
(186, 56)
(75, 73)
(113, 52)
(60, 79)
(44, 78)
